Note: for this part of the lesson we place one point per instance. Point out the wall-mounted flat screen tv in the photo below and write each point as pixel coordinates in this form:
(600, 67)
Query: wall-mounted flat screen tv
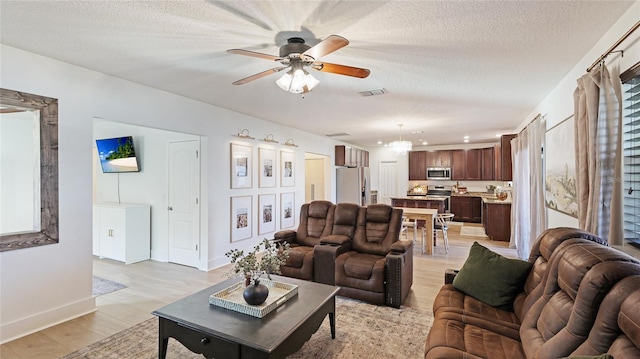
(117, 155)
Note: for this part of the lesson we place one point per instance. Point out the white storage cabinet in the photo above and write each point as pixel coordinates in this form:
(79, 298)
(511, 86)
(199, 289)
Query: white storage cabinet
(122, 232)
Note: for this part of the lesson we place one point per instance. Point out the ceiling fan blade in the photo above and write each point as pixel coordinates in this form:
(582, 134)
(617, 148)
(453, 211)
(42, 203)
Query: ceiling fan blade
(341, 69)
(259, 75)
(254, 54)
(326, 46)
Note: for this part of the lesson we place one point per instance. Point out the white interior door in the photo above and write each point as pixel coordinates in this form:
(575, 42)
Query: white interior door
(184, 203)
(388, 181)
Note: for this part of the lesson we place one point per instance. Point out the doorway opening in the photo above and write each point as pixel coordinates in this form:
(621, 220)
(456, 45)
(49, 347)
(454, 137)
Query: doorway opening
(317, 177)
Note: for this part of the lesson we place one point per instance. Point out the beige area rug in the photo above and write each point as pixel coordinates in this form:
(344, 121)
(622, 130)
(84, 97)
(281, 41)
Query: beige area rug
(362, 331)
(472, 231)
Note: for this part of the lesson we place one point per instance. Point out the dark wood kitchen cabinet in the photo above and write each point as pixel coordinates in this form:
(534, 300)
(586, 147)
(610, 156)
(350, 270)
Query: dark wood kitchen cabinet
(347, 156)
(466, 164)
(417, 165)
(466, 208)
(488, 164)
(505, 158)
(496, 218)
(439, 158)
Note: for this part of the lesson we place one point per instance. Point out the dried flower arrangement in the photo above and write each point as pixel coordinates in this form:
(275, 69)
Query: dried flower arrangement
(256, 263)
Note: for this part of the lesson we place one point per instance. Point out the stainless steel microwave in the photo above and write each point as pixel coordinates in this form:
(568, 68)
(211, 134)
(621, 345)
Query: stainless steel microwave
(438, 173)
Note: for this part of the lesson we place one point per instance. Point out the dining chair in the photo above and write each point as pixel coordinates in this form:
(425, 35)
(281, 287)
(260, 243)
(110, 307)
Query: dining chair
(442, 224)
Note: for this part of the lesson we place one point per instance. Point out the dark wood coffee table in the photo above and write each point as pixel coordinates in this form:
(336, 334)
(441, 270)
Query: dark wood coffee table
(217, 332)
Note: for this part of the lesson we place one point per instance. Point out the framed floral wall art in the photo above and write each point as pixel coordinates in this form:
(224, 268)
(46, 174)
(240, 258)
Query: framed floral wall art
(287, 168)
(241, 162)
(267, 213)
(287, 210)
(267, 158)
(241, 218)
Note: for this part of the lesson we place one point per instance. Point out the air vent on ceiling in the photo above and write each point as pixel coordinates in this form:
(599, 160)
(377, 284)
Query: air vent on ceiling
(380, 91)
(337, 134)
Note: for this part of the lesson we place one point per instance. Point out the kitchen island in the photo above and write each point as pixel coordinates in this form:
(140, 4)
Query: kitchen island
(433, 202)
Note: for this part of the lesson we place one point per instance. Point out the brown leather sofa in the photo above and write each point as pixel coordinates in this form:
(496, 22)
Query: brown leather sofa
(361, 253)
(316, 222)
(576, 300)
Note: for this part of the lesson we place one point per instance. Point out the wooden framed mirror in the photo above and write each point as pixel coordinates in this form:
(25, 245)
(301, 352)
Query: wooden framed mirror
(41, 216)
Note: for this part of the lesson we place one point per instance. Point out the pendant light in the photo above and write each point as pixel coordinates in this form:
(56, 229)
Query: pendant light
(400, 147)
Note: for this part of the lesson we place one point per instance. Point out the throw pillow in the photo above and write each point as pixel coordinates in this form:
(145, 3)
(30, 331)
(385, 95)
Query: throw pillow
(491, 278)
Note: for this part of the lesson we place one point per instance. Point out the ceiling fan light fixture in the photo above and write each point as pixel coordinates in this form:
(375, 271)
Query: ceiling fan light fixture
(297, 81)
(400, 147)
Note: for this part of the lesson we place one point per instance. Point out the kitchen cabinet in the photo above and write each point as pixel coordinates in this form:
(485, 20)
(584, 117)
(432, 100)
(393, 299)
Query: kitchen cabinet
(418, 203)
(488, 164)
(438, 158)
(506, 172)
(122, 232)
(466, 164)
(417, 165)
(466, 208)
(496, 218)
(347, 156)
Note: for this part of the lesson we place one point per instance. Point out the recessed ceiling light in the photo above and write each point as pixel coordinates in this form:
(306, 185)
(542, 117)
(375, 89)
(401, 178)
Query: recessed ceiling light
(379, 142)
(466, 137)
(466, 140)
(424, 143)
(498, 135)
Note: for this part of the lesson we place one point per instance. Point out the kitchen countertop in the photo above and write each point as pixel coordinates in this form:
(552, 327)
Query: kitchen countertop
(486, 197)
(423, 198)
(496, 201)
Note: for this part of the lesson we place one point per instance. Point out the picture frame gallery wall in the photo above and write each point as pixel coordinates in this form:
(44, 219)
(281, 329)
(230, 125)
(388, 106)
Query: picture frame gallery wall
(274, 210)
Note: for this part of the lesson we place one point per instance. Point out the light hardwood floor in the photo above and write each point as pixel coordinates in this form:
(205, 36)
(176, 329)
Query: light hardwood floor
(151, 285)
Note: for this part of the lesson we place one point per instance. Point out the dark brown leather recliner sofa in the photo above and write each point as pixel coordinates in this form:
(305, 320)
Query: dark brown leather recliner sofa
(359, 250)
(581, 297)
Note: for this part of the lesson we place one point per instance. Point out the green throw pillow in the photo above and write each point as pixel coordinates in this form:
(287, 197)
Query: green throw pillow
(492, 278)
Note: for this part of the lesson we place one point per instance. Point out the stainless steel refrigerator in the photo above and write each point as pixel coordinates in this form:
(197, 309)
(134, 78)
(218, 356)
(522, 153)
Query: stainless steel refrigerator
(353, 185)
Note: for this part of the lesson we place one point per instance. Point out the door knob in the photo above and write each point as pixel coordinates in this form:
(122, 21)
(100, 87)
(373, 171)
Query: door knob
(170, 208)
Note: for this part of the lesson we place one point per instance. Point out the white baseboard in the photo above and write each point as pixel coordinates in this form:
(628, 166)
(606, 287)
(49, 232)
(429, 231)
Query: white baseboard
(37, 322)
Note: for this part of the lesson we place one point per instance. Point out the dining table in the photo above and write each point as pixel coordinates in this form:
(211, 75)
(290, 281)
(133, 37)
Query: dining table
(425, 214)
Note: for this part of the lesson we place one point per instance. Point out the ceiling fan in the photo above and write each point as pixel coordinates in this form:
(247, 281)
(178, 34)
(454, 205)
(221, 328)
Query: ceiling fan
(296, 55)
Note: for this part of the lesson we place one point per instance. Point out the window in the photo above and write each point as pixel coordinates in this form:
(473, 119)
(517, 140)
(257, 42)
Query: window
(631, 147)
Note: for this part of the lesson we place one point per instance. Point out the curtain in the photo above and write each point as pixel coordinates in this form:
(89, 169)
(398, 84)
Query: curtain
(597, 111)
(528, 218)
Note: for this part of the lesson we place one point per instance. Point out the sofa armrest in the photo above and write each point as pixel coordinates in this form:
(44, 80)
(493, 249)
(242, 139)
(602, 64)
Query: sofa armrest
(335, 240)
(286, 235)
(449, 275)
(324, 258)
(399, 276)
(401, 246)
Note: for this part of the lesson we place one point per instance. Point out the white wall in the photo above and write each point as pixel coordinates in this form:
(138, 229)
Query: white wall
(149, 186)
(558, 104)
(45, 285)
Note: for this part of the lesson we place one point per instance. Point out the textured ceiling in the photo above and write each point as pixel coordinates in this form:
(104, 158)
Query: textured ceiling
(451, 68)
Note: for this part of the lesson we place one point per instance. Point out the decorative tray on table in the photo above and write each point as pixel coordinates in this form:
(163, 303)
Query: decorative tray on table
(231, 298)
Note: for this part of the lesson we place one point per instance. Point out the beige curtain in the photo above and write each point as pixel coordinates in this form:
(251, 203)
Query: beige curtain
(597, 111)
(527, 210)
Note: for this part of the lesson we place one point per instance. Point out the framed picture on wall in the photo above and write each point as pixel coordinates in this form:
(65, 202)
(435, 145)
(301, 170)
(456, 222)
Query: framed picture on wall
(241, 174)
(287, 210)
(287, 168)
(267, 158)
(267, 213)
(560, 169)
(241, 219)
